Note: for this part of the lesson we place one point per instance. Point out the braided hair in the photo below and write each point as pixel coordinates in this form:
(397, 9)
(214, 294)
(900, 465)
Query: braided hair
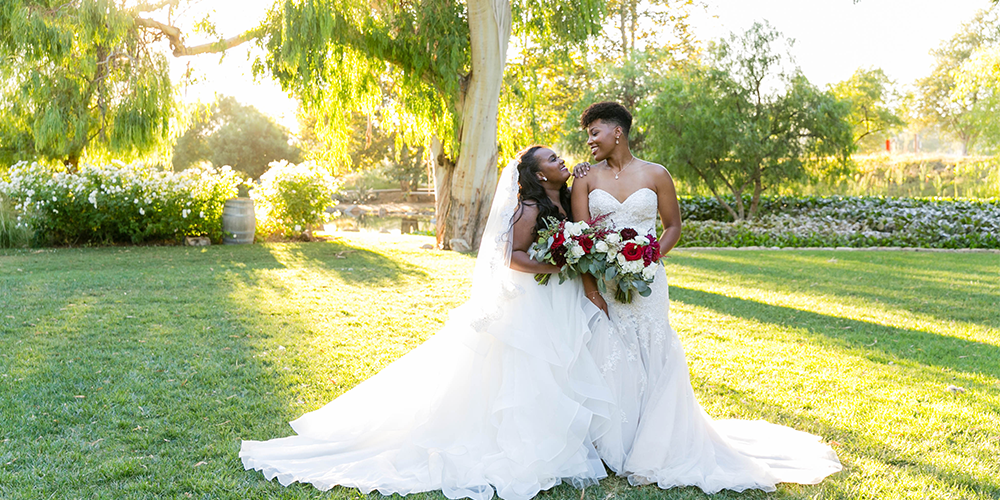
(531, 191)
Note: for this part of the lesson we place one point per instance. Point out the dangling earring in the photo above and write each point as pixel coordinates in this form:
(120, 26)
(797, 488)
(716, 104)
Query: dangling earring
(616, 139)
(544, 179)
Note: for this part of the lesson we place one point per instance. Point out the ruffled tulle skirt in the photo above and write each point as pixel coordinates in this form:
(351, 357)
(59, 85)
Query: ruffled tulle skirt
(505, 397)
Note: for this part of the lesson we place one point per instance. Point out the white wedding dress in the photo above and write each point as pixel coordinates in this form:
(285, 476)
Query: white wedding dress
(661, 434)
(505, 397)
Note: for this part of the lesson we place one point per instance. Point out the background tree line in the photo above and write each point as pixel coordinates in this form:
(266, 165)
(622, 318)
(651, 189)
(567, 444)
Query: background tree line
(89, 80)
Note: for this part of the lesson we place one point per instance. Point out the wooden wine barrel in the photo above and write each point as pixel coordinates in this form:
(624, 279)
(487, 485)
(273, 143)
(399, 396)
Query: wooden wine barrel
(238, 221)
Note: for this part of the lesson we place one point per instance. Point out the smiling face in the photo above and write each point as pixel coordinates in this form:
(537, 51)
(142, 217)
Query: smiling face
(601, 137)
(551, 167)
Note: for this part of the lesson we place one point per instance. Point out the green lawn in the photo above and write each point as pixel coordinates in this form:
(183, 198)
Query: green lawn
(134, 372)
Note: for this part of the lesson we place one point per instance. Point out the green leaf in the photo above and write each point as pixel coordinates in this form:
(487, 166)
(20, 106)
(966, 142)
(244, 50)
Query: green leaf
(610, 273)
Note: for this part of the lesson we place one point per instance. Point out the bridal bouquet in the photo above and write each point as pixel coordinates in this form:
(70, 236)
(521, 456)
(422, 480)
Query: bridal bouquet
(631, 261)
(573, 246)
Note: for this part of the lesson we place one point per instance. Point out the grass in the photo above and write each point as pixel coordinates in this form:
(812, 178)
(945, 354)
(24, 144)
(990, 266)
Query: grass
(135, 372)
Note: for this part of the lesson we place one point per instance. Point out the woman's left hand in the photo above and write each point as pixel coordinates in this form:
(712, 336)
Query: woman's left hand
(581, 169)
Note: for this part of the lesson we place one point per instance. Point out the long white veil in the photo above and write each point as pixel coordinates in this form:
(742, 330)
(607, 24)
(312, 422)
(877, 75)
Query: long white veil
(491, 276)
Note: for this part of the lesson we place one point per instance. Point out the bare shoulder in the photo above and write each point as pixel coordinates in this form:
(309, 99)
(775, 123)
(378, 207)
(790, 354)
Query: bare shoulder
(656, 171)
(526, 213)
(528, 207)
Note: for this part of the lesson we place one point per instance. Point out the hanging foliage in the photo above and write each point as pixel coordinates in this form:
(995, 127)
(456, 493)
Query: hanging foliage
(79, 78)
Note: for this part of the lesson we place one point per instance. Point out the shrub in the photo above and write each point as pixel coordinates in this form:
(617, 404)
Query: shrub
(847, 221)
(13, 234)
(119, 202)
(291, 198)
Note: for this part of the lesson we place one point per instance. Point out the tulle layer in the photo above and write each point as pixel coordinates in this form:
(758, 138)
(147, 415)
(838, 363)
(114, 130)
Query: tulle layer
(505, 397)
(664, 437)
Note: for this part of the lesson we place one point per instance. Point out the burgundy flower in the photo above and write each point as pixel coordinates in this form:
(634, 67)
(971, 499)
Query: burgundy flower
(584, 242)
(632, 251)
(628, 233)
(559, 257)
(655, 246)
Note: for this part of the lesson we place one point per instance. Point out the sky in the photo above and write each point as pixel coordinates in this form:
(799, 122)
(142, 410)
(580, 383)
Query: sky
(833, 38)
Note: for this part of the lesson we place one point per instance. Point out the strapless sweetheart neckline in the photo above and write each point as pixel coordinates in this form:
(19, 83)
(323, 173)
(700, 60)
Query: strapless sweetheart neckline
(626, 198)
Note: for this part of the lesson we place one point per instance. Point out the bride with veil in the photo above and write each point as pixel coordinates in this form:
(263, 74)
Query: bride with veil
(505, 397)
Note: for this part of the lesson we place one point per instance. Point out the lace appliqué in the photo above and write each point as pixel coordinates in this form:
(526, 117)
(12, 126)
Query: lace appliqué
(643, 325)
(611, 361)
(507, 292)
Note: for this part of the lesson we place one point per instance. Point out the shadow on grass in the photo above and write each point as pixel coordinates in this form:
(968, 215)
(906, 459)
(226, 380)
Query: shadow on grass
(353, 264)
(893, 344)
(136, 373)
(960, 287)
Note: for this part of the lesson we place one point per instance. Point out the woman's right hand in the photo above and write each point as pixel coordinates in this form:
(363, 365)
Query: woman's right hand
(599, 301)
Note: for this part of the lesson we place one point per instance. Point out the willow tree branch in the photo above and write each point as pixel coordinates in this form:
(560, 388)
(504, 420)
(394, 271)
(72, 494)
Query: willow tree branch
(173, 34)
(153, 7)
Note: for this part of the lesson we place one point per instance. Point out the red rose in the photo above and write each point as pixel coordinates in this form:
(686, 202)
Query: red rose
(628, 233)
(558, 240)
(632, 251)
(584, 242)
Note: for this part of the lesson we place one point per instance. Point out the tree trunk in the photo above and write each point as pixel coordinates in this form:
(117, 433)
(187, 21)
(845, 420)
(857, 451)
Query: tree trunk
(72, 162)
(443, 168)
(740, 209)
(465, 191)
(758, 187)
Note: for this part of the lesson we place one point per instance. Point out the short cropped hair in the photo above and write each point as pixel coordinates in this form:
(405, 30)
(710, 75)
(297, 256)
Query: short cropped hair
(608, 111)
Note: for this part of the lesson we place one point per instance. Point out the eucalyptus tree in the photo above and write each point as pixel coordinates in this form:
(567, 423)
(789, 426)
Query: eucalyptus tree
(745, 122)
(445, 61)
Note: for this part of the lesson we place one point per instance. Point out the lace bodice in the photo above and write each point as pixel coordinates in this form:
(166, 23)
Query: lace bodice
(638, 211)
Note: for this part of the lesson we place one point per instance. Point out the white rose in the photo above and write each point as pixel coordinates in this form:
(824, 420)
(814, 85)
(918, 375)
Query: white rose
(640, 240)
(574, 249)
(621, 260)
(574, 229)
(648, 272)
(634, 266)
(601, 247)
(613, 239)
(612, 255)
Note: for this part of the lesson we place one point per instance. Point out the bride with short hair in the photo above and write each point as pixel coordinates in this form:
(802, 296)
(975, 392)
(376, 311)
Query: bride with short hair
(661, 434)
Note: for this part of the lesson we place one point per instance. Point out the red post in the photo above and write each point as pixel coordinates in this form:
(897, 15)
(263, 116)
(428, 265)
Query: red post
(887, 144)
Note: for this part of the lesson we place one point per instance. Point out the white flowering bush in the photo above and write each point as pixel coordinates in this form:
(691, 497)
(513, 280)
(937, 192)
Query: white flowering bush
(118, 202)
(290, 198)
(850, 221)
